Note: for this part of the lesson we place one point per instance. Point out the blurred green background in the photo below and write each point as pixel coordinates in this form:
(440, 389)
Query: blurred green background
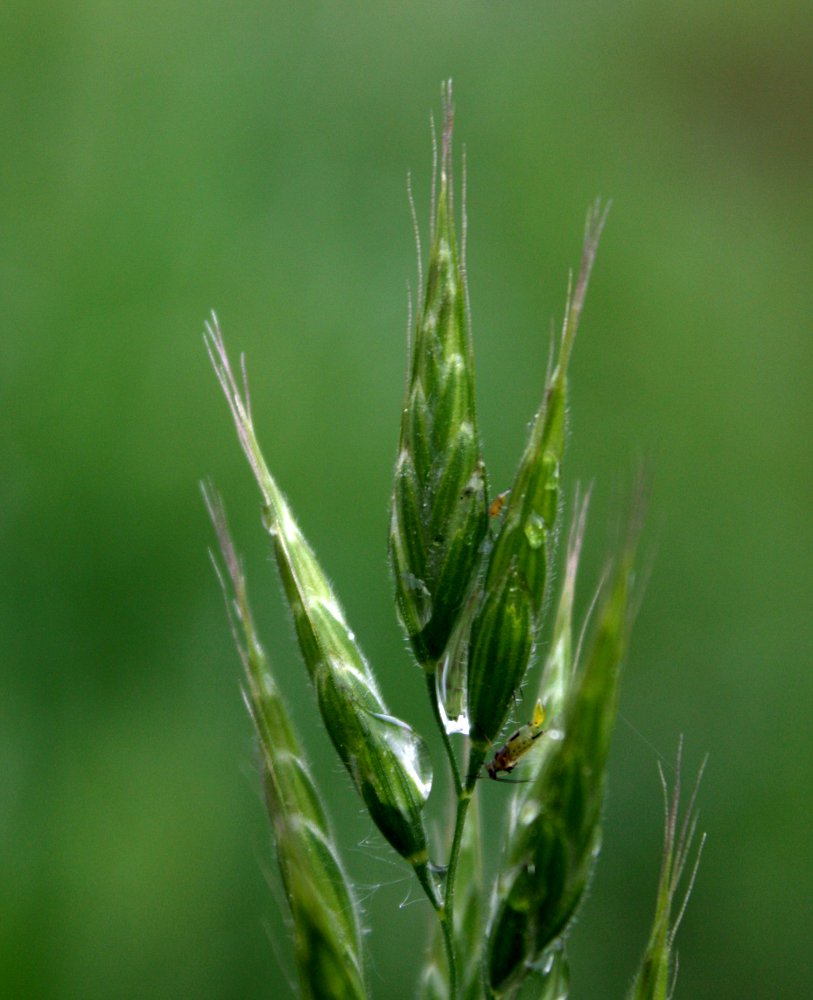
(159, 160)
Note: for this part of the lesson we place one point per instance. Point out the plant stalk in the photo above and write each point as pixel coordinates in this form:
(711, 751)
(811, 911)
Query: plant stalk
(464, 797)
(429, 886)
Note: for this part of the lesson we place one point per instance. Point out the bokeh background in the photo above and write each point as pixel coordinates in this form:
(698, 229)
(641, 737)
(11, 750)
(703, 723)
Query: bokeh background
(159, 160)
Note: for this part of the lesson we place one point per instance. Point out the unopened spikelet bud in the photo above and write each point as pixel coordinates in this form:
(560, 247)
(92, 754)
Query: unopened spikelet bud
(438, 516)
(556, 833)
(549, 979)
(502, 634)
(385, 758)
(324, 971)
(521, 556)
(558, 668)
(325, 916)
(655, 977)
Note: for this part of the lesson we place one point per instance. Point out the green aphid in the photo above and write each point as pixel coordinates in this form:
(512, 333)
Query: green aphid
(517, 745)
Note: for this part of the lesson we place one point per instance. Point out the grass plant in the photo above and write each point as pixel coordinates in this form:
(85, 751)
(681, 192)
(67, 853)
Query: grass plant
(472, 576)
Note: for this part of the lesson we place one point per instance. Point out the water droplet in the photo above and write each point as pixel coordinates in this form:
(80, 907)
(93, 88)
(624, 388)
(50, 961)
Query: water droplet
(269, 519)
(528, 813)
(421, 598)
(451, 689)
(596, 849)
(411, 751)
(535, 531)
(551, 465)
(455, 723)
(440, 871)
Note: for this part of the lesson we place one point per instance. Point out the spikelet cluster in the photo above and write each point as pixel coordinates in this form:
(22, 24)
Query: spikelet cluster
(472, 579)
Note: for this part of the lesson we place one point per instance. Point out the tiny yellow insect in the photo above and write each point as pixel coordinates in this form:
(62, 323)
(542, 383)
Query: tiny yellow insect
(497, 504)
(517, 745)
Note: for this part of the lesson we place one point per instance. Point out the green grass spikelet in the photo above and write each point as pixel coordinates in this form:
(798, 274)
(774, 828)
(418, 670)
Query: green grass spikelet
(472, 577)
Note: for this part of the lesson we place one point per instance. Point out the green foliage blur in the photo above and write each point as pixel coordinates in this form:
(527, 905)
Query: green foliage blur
(161, 160)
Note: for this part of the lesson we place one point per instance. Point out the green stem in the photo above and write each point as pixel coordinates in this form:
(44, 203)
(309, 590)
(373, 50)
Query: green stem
(448, 943)
(430, 888)
(464, 797)
(443, 912)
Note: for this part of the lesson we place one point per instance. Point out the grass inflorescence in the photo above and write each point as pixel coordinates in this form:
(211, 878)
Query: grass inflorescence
(472, 575)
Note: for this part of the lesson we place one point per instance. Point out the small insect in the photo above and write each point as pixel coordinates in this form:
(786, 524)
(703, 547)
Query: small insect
(518, 745)
(497, 504)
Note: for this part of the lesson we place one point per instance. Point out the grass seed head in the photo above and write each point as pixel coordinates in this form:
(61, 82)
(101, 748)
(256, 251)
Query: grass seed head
(438, 515)
(324, 911)
(654, 978)
(500, 650)
(519, 562)
(384, 757)
(555, 839)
